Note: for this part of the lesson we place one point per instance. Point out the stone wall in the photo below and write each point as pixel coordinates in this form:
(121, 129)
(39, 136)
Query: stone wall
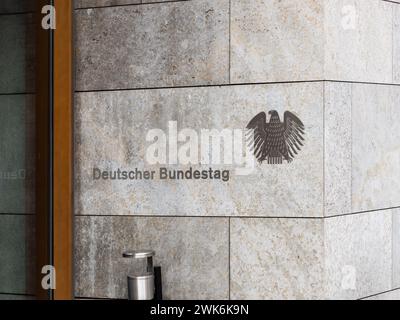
(324, 226)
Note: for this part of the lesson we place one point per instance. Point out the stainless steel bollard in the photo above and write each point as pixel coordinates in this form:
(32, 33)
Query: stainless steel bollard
(141, 286)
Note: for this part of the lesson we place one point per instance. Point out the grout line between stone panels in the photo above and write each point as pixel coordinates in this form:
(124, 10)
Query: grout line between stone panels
(16, 214)
(142, 3)
(16, 13)
(324, 150)
(380, 293)
(17, 294)
(190, 216)
(351, 148)
(393, 23)
(130, 4)
(392, 254)
(230, 42)
(237, 217)
(391, 2)
(234, 84)
(229, 258)
(17, 93)
(194, 86)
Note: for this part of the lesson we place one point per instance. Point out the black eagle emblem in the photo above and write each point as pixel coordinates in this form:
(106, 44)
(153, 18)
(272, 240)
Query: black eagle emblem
(275, 141)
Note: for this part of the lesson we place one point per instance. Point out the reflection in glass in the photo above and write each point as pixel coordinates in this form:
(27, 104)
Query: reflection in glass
(17, 150)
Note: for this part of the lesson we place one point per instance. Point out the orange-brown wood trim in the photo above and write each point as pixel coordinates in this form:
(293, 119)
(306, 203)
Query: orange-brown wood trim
(63, 148)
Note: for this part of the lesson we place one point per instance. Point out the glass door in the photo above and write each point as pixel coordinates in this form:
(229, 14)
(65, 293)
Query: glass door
(17, 150)
(36, 139)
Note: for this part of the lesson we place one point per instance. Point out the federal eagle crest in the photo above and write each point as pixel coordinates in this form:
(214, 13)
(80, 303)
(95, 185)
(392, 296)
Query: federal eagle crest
(275, 141)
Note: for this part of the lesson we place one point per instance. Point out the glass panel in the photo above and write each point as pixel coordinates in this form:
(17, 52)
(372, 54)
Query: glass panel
(17, 150)
(16, 6)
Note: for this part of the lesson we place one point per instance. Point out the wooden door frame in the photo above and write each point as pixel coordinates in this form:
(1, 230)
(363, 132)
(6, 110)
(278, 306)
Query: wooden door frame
(63, 150)
(54, 142)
